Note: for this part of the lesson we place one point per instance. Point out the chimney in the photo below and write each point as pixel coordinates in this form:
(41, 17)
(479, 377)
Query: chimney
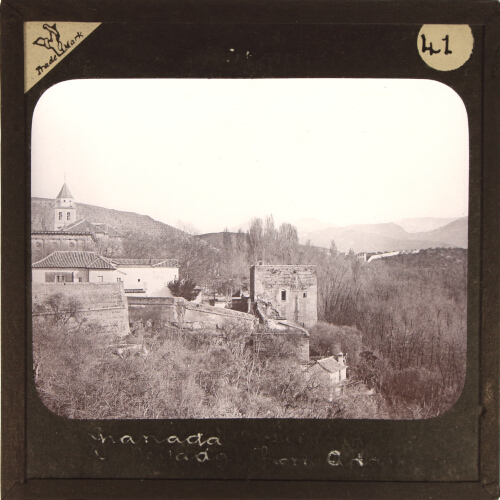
(341, 358)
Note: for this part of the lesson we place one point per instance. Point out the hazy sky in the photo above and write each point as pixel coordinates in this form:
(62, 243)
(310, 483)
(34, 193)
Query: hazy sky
(216, 153)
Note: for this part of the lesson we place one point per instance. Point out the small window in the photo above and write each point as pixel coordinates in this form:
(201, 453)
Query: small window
(118, 280)
(139, 280)
(100, 279)
(304, 295)
(60, 278)
(60, 215)
(80, 279)
(68, 216)
(283, 294)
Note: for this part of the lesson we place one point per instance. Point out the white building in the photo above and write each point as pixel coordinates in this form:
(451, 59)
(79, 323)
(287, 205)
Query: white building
(147, 277)
(140, 277)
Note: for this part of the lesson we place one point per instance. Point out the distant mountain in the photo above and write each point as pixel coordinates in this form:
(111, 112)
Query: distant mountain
(390, 237)
(308, 226)
(217, 239)
(42, 218)
(244, 226)
(454, 234)
(423, 224)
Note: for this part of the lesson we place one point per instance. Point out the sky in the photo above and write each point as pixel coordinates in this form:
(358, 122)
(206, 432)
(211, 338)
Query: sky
(215, 153)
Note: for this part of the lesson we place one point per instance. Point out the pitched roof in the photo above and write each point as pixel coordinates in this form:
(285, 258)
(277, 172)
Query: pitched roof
(88, 260)
(83, 225)
(331, 364)
(102, 227)
(65, 192)
(80, 225)
(145, 262)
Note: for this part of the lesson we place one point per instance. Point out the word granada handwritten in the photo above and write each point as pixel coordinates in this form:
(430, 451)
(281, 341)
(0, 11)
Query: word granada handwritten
(178, 442)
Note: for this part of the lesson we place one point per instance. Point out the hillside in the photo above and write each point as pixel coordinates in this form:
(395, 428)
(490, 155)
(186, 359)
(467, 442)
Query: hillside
(217, 239)
(455, 233)
(389, 237)
(423, 224)
(42, 218)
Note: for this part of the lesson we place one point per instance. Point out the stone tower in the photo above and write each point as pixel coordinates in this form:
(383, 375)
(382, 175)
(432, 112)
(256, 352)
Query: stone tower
(291, 289)
(64, 209)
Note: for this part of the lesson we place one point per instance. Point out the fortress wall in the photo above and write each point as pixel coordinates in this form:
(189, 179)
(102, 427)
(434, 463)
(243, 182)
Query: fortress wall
(101, 303)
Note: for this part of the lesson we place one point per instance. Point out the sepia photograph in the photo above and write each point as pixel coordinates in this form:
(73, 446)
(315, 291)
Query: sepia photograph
(249, 248)
(252, 250)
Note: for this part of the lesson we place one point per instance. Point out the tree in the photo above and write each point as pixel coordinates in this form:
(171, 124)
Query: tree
(333, 248)
(183, 288)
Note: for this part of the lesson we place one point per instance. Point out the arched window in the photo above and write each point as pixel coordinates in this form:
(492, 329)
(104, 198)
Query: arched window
(68, 216)
(60, 215)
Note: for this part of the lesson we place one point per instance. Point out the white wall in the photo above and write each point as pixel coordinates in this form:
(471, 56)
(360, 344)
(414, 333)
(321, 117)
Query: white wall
(108, 275)
(152, 279)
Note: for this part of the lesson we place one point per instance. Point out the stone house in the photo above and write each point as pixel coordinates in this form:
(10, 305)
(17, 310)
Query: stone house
(291, 289)
(328, 372)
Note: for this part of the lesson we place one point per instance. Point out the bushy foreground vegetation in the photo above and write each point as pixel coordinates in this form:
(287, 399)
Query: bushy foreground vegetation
(176, 374)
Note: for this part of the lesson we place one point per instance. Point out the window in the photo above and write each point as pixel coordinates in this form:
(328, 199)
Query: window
(60, 278)
(80, 279)
(304, 295)
(68, 216)
(99, 279)
(283, 294)
(60, 215)
(138, 280)
(119, 280)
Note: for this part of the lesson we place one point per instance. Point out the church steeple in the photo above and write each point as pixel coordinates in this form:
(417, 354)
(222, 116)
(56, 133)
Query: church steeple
(64, 209)
(64, 193)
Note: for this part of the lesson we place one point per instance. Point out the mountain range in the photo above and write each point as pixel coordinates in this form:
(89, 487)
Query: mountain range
(406, 234)
(390, 236)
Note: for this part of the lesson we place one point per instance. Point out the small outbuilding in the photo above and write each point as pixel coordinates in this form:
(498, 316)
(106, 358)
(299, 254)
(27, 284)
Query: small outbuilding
(328, 372)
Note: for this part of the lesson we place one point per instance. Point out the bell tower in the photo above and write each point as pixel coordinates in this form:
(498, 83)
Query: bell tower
(64, 209)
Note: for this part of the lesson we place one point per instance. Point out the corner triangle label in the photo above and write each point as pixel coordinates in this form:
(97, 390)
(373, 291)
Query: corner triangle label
(47, 43)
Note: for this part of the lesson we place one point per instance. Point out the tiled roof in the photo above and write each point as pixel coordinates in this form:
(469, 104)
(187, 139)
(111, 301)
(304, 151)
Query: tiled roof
(91, 227)
(88, 260)
(64, 193)
(146, 262)
(80, 225)
(102, 227)
(65, 232)
(331, 364)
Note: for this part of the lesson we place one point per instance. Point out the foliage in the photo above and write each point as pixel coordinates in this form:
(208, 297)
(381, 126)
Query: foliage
(185, 288)
(328, 340)
(185, 374)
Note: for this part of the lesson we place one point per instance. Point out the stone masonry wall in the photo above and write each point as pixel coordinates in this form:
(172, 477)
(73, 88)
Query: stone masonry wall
(292, 290)
(186, 314)
(101, 303)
